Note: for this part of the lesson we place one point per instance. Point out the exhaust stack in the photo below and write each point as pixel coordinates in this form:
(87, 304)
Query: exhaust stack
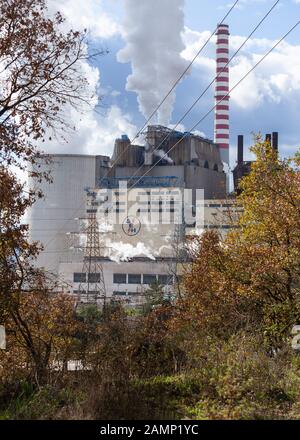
(275, 141)
(240, 157)
(221, 129)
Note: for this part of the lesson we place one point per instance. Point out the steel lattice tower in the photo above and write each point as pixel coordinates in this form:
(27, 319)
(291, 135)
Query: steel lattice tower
(92, 289)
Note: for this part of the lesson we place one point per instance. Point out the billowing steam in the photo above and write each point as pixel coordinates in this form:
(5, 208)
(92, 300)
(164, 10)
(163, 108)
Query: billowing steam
(152, 31)
(162, 155)
(120, 251)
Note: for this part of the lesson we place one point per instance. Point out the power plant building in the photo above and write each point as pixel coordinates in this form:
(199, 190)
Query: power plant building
(77, 235)
(58, 221)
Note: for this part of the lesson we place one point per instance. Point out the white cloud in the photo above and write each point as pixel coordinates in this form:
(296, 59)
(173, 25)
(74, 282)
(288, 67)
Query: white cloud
(94, 134)
(276, 79)
(95, 128)
(87, 14)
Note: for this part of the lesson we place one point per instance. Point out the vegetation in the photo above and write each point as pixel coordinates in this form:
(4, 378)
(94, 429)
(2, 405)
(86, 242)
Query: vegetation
(41, 73)
(221, 350)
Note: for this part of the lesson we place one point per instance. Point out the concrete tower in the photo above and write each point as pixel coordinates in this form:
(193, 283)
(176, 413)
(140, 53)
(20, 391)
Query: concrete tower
(221, 131)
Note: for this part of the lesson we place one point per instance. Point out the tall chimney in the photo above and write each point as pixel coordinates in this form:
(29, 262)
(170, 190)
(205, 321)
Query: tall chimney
(221, 131)
(240, 157)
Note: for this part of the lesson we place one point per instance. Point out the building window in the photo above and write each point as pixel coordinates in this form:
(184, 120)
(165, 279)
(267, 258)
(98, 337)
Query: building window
(149, 279)
(134, 278)
(119, 278)
(216, 167)
(206, 164)
(164, 279)
(94, 277)
(79, 277)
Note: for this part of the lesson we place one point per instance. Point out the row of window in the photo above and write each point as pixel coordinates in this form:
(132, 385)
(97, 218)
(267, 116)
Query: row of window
(118, 210)
(123, 278)
(82, 277)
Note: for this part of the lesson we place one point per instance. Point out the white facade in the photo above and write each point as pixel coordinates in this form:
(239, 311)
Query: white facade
(127, 281)
(58, 222)
(50, 219)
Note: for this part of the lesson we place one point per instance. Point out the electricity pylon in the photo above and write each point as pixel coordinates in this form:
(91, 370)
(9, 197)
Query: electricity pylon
(92, 287)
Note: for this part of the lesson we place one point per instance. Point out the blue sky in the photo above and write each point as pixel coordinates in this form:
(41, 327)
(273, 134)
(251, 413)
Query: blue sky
(201, 14)
(267, 101)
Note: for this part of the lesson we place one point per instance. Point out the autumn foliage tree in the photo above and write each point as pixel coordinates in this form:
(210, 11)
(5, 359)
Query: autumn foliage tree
(250, 280)
(41, 336)
(41, 74)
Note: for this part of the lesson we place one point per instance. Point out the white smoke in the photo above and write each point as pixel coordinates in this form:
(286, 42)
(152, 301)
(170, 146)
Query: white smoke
(162, 155)
(153, 34)
(120, 251)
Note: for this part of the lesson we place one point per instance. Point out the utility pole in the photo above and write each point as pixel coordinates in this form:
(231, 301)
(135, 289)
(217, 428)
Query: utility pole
(92, 288)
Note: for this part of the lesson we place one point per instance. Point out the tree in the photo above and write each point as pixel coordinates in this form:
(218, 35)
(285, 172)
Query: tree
(41, 334)
(40, 74)
(268, 242)
(250, 280)
(154, 295)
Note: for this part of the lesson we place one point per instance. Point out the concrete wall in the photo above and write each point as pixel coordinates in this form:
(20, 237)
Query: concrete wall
(191, 176)
(64, 200)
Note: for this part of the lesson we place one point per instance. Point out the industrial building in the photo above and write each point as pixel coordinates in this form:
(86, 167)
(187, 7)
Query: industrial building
(243, 167)
(58, 220)
(92, 253)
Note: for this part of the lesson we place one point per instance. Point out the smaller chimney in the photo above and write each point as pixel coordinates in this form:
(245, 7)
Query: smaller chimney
(268, 138)
(240, 157)
(275, 141)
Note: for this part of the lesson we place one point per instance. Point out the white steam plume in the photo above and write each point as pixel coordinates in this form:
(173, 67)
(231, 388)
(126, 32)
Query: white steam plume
(120, 251)
(162, 155)
(153, 34)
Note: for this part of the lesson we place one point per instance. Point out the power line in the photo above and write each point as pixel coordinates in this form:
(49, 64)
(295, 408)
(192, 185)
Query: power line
(174, 85)
(233, 88)
(161, 103)
(212, 82)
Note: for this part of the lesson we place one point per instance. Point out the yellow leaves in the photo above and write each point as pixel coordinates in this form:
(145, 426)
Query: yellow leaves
(259, 262)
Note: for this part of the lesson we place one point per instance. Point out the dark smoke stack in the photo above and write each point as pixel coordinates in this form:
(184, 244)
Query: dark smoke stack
(268, 138)
(275, 141)
(240, 157)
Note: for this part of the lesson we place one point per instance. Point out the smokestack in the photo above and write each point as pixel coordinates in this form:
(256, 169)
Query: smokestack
(275, 141)
(240, 157)
(221, 132)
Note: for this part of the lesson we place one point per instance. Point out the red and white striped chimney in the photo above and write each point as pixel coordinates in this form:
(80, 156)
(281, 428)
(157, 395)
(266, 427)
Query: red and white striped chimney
(221, 131)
